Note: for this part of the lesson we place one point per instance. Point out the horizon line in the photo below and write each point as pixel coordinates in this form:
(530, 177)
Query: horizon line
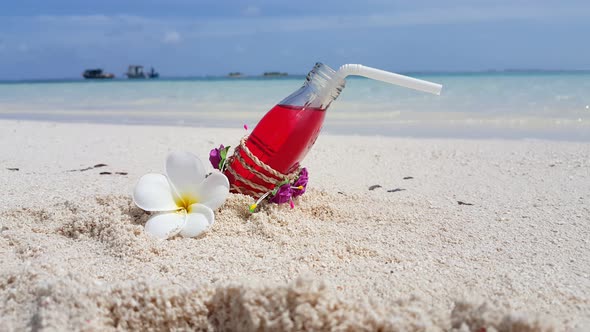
(247, 76)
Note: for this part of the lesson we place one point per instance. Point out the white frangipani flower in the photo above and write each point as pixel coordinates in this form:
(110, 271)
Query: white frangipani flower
(185, 197)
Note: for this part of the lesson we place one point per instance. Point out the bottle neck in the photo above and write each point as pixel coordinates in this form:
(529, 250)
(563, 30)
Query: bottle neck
(321, 87)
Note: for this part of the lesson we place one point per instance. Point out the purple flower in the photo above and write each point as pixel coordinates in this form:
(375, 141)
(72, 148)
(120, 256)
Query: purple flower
(283, 194)
(287, 191)
(301, 183)
(215, 157)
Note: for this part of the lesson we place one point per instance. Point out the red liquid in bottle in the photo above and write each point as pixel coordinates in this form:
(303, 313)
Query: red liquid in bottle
(280, 140)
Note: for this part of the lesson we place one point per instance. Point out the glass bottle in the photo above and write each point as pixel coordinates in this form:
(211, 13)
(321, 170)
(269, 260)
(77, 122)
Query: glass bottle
(284, 136)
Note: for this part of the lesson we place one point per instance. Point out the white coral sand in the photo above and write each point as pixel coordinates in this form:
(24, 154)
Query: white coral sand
(74, 254)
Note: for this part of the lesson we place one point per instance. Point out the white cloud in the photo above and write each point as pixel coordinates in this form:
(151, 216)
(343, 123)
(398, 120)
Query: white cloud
(172, 37)
(109, 31)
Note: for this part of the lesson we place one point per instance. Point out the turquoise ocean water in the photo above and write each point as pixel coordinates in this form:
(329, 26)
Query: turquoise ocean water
(475, 105)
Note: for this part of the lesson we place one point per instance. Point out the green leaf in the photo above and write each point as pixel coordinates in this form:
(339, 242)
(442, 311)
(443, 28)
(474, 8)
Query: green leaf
(223, 152)
(223, 155)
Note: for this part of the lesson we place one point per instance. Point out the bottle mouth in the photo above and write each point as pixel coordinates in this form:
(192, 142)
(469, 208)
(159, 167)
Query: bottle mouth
(328, 82)
(323, 74)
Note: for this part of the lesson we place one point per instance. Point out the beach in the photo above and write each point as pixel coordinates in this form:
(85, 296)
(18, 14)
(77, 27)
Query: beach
(455, 234)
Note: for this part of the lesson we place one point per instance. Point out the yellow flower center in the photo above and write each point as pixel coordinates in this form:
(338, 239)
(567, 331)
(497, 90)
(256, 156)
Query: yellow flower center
(185, 201)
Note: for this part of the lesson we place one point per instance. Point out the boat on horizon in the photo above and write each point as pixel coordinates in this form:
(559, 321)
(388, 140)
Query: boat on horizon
(274, 74)
(136, 72)
(97, 74)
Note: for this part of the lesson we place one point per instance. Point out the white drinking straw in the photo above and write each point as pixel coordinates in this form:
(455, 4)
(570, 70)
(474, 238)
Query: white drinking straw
(385, 76)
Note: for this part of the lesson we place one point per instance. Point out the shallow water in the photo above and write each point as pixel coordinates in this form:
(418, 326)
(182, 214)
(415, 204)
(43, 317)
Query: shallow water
(500, 105)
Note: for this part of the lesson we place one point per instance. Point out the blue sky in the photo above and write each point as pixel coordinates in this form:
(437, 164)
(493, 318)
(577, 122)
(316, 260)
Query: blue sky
(60, 38)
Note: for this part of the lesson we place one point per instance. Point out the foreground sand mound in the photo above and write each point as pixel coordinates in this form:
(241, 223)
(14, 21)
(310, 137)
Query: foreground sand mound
(305, 304)
(88, 266)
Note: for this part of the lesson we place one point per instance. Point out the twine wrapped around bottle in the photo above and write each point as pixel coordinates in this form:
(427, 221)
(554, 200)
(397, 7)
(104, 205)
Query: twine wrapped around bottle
(256, 190)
